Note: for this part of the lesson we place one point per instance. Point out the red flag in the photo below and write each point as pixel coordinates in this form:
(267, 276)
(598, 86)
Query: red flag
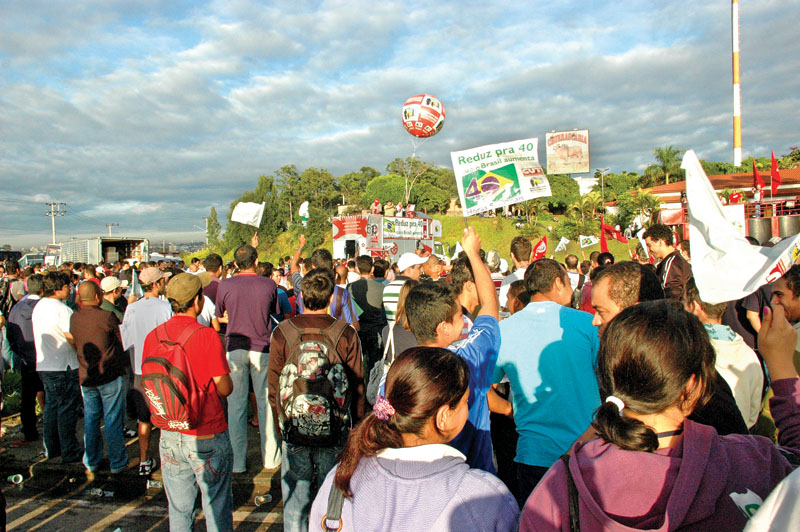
(540, 250)
(615, 233)
(603, 243)
(776, 175)
(756, 177)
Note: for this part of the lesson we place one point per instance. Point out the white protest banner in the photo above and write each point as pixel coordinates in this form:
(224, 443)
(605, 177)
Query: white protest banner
(248, 213)
(497, 175)
(562, 244)
(587, 241)
(726, 267)
(410, 228)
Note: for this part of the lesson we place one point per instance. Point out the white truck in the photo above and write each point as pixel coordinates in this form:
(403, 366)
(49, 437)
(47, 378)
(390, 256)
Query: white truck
(384, 236)
(105, 249)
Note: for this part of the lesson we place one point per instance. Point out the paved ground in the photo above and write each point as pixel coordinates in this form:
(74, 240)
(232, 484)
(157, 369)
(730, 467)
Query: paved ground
(55, 496)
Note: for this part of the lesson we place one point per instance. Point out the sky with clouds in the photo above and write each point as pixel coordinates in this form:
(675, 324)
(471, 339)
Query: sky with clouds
(148, 113)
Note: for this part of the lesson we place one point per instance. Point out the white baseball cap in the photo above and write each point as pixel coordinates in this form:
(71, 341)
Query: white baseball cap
(407, 260)
(111, 283)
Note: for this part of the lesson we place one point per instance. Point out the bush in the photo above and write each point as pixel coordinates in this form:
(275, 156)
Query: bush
(12, 392)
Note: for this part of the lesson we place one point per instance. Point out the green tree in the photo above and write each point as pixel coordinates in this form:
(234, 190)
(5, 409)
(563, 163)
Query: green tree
(647, 205)
(565, 192)
(410, 169)
(668, 164)
(427, 197)
(213, 228)
(614, 185)
(532, 209)
(353, 184)
(386, 188)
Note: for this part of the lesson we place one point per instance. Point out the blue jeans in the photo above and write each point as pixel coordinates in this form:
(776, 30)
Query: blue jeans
(189, 463)
(106, 402)
(62, 404)
(243, 365)
(299, 466)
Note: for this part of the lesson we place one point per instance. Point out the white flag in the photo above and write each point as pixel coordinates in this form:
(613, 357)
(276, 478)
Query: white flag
(587, 241)
(726, 267)
(562, 244)
(640, 236)
(248, 213)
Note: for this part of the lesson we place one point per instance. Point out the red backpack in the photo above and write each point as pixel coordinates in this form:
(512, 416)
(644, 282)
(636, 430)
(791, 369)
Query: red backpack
(176, 401)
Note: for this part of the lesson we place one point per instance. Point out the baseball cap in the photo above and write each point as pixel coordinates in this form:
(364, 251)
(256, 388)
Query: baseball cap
(407, 260)
(493, 259)
(205, 278)
(152, 274)
(183, 288)
(111, 283)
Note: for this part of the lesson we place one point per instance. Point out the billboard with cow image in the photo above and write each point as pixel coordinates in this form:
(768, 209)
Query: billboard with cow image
(567, 152)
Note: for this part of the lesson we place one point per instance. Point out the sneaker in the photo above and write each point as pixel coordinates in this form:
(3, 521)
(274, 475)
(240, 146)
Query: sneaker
(147, 467)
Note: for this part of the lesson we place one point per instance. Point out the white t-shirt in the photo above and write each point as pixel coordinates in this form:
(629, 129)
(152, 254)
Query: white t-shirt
(50, 320)
(208, 314)
(518, 275)
(140, 318)
(574, 278)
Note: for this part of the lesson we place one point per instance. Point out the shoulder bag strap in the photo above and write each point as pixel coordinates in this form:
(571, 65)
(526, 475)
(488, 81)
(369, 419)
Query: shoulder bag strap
(338, 309)
(574, 503)
(334, 511)
(334, 332)
(389, 344)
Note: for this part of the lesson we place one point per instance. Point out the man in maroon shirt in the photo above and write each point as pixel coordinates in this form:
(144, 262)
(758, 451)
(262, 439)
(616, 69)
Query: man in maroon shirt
(102, 365)
(249, 299)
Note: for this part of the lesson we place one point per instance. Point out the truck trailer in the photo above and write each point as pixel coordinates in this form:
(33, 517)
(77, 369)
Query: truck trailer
(105, 249)
(384, 236)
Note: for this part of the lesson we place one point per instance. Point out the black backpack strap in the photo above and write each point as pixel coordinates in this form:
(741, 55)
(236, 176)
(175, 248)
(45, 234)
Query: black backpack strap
(334, 511)
(581, 279)
(574, 502)
(338, 307)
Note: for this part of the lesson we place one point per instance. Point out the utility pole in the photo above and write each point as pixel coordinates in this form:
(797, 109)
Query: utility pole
(110, 226)
(55, 210)
(737, 91)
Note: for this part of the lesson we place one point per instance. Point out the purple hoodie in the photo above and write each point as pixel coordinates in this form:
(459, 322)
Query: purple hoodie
(707, 482)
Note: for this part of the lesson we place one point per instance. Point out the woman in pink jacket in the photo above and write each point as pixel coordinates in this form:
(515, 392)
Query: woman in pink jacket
(651, 468)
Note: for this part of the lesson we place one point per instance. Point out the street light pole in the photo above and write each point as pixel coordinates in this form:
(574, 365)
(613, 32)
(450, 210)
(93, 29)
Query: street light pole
(603, 172)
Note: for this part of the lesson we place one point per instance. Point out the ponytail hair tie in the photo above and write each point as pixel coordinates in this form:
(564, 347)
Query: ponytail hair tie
(383, 409)
(617, 402)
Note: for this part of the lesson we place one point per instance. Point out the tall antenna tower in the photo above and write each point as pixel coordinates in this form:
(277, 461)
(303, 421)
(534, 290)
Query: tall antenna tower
(737, 93)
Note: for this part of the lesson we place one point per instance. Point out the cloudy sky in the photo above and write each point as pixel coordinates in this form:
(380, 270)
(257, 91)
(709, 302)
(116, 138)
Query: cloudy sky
(148, 113)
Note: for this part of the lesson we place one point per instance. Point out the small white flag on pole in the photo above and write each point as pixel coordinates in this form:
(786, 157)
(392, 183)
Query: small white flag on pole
(562, 244)
(640, 236)
(726, 267)
(248, 213)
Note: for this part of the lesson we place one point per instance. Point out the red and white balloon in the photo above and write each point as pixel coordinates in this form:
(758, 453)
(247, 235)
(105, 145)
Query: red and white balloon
(423, 115)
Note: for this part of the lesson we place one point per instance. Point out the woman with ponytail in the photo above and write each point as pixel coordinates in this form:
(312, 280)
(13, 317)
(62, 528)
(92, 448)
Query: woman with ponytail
(651, 468)
(396, 471)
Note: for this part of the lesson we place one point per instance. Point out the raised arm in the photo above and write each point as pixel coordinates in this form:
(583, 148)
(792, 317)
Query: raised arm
(487, 296)
(293, 266)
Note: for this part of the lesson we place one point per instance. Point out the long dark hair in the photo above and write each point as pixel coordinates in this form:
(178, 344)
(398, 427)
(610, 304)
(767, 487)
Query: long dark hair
(647, 355)
(420, 381)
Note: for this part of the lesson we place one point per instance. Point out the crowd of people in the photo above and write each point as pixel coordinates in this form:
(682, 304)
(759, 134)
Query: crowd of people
(427, 394)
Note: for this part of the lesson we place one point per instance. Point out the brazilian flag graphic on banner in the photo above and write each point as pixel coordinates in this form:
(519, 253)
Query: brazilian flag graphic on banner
(497, 185)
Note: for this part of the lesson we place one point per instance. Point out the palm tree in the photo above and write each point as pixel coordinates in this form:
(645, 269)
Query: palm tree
(648, 205)
(587, 205)
(668, 163)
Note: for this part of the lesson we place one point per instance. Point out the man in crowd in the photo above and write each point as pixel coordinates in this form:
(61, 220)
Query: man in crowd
(213, 265)
(673, 270)
(342, 306)
(435, 318)
(625, 284)
(521, 250)
(571, 263)
(300, 461)
(551, 372)
(198, 458)
(410, 267)
(140, 318)
(57, 364)
(112, 289)
(20, 338)
(786, 293)
(249, 299)
(103, 365)
(368, 295)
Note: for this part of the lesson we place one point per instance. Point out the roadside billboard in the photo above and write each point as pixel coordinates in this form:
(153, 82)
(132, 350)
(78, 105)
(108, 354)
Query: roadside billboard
(567, 152)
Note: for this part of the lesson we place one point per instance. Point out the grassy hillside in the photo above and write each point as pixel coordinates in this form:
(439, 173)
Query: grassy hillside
(495, 233)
